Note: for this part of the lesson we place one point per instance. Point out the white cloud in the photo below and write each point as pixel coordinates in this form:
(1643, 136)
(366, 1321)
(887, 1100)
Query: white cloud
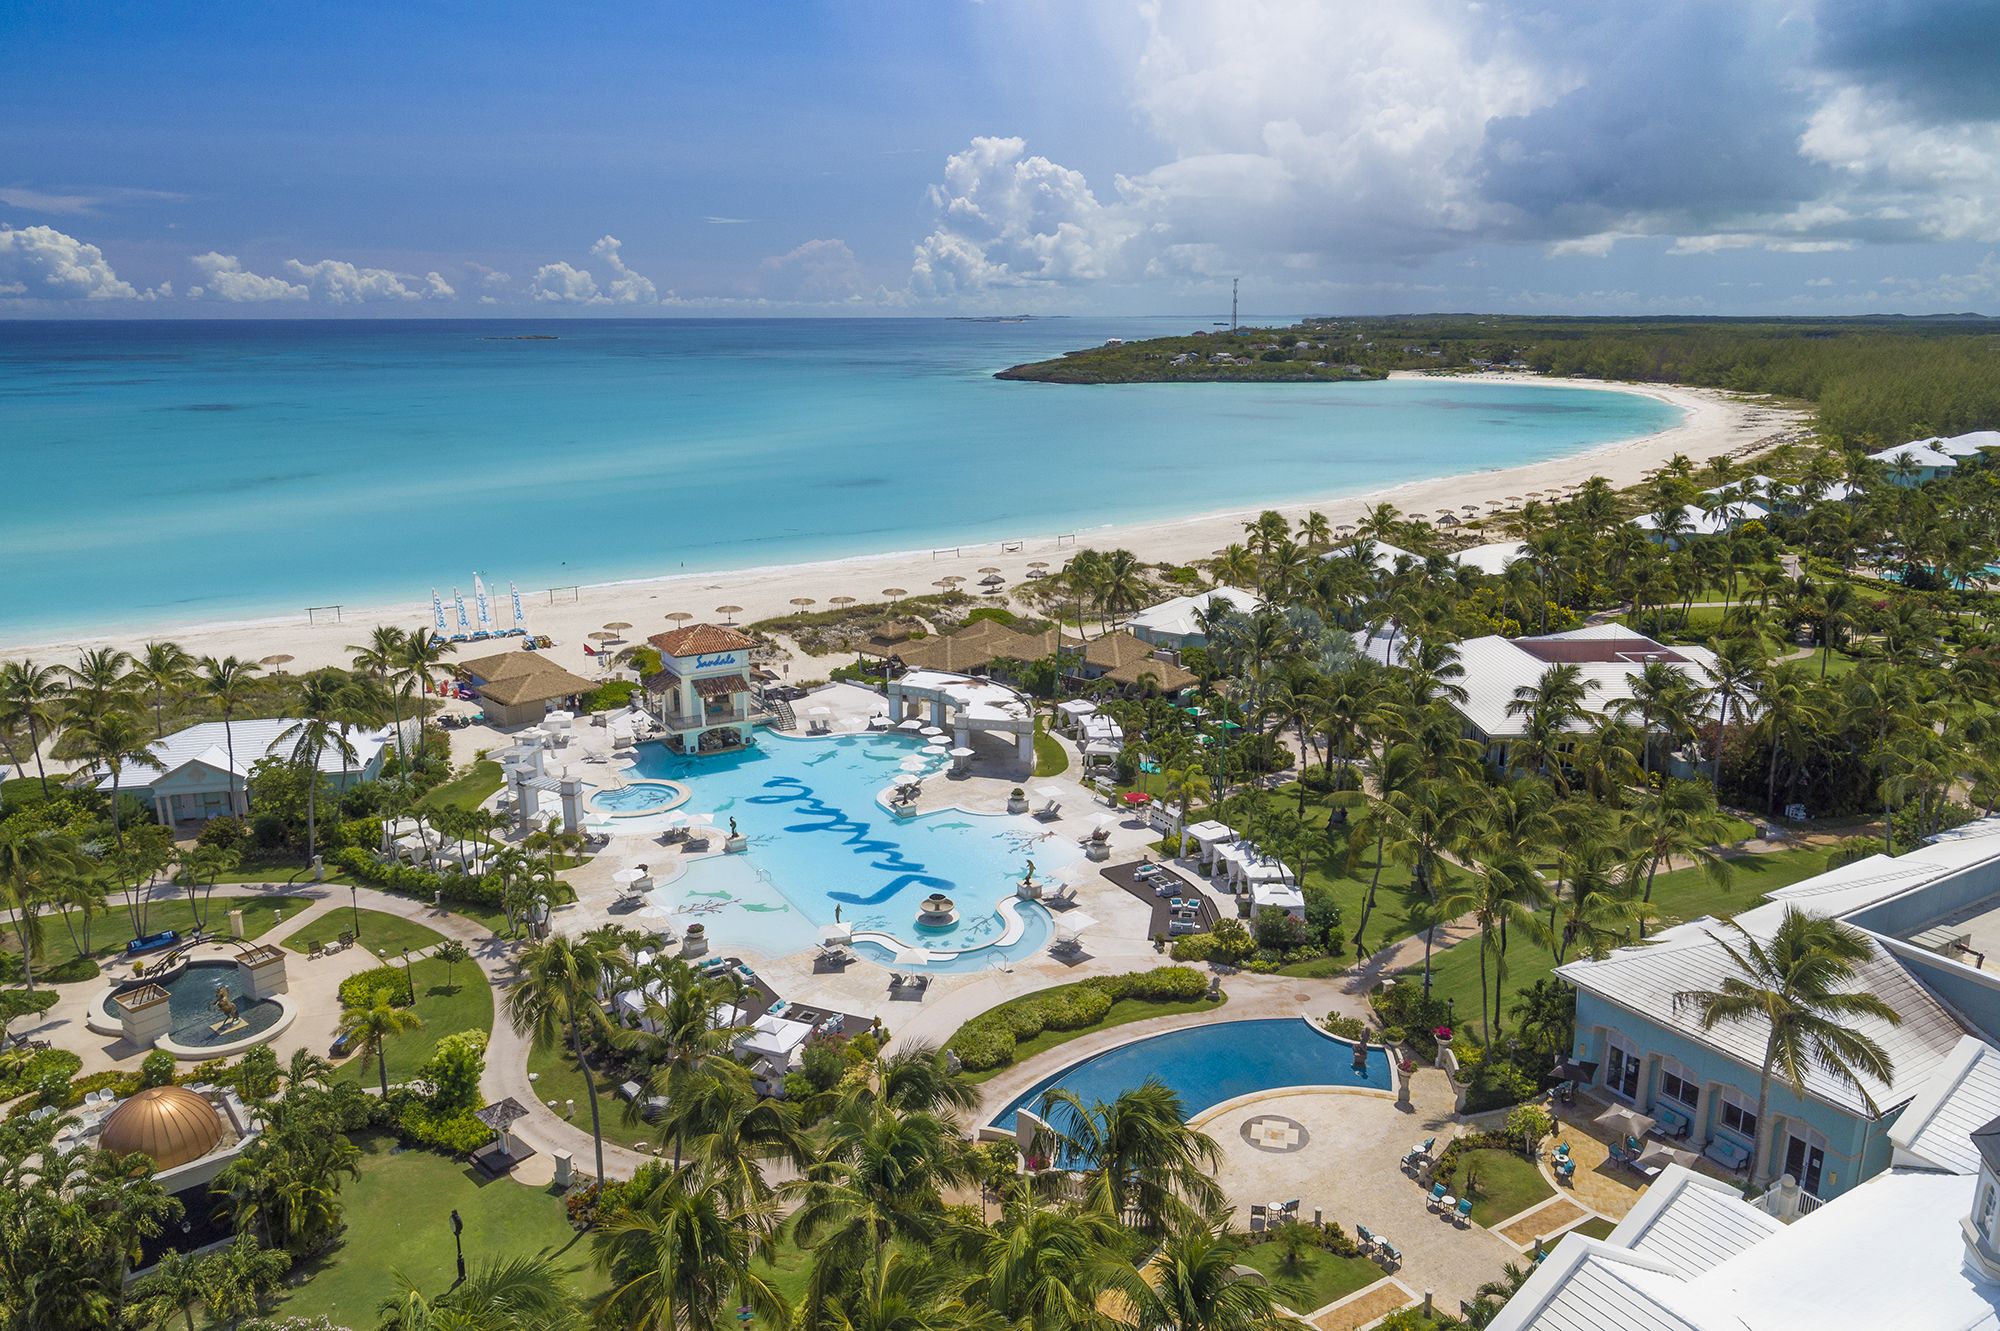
(490, 278)
(1819, 281)
(627, 287)
(1903, 177)
(1595, 246)
(727, 221)
(817, 271)
(557, 282)
(40, 261)
(561, 283)
(223, 277)
(79, 202)
(1009, 219)
(326, 282)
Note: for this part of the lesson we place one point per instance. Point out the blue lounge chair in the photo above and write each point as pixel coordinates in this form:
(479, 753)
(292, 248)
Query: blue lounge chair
(1464, 1211)
(1562, 1149)
(1366, 1235)
(1390, 1252)
(1730, 1155)
(1438, 1195)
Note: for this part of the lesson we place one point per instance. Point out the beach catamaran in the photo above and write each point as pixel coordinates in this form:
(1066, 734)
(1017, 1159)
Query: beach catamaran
(481, 627)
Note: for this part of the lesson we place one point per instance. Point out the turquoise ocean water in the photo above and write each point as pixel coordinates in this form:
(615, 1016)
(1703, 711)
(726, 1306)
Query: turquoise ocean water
(163, 473)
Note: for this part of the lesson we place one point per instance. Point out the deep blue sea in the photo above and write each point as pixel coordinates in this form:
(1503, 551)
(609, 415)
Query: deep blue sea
(179, 472)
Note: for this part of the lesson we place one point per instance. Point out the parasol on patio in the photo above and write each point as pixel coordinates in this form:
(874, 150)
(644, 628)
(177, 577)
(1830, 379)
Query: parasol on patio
(602, 635)
(678, 616)
(728, 610)
(1572, 1069)
(961, 752)
(909, 723)
(628, 875)
(1624, 1122)
(1659, 1155)
(1136, 797)
(989, 569)
(914, 764)
(929, 730)
(617, 626)
(830, 934)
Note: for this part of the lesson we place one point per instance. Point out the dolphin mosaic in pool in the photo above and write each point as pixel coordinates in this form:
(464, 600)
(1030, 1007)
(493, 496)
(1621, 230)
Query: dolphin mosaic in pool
(821, 841)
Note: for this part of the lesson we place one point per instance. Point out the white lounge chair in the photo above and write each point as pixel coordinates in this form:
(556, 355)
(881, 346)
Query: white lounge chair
(1051, 810)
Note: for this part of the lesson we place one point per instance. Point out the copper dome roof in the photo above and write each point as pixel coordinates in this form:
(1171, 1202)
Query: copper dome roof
(171, 1125)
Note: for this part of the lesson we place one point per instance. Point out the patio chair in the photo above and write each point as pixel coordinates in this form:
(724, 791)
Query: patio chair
(1728, 1154)
(1391, 1254)
(1562, 1149)
(1050, 811)
(1566, 1171)
(1438, 1194)
(1464, 1217)
(1366, 1237)
(1259, 1217)
(1291, 1208)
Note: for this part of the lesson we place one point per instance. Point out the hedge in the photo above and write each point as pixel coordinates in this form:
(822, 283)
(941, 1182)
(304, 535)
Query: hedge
(21, 1070)
(988, 1040)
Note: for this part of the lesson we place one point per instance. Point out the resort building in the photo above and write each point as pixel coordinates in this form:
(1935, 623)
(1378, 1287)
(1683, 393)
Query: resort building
(196, 778)
(1126, 660)
(701, 694)
(1916, 1246)
(1932, 917)
(965, 706)
(1699, 520)
(1916, 462)
(1491, 558)
(519, 688)
(1178, 623)
(1608, 656)
(976, 646)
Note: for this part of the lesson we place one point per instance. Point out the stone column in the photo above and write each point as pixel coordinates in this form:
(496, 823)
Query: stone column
(525, 800)
(1026, 746)
(143, 1015)
(572, 804)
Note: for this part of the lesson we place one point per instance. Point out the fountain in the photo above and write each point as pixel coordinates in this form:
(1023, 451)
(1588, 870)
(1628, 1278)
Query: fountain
(938, 911)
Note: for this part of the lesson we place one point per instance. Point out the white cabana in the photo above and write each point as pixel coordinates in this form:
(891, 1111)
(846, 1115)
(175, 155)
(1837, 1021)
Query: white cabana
(1209, 834)
(1100, 727)
(1284, 896)
(1071, 926)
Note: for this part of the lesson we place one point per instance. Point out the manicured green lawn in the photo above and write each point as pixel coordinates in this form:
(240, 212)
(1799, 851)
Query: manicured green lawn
(1123, 1011)
(110, 931)
(467, 1006)
(1681, 895)
(399, 1227)
(1051, 759)
(1597, 1227)
(468, 790)
(1503, 1184)
(379, 930)
(558, 1078)
(1321, 1279)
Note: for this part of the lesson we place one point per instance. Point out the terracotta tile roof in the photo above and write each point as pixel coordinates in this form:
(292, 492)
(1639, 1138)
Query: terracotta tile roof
(700, 639)
(977, 644)
(721, 686)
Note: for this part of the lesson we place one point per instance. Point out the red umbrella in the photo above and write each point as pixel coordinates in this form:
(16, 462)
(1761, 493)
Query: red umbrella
(1137, 797)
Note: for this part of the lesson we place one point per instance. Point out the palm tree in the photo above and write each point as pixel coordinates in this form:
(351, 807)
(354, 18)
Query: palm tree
(369, 1029)
(1197, 1281)
(1792, 714)
(911, 1290)
(227, 683)
(504, 1294)
(164, 670)
(418, 667)
(1501, 896)
(34, 862)
(1677, 819)
(30, 696)
(114, 740)
(1044, 1267)
(98, 681)
(1122, 585)
(1664, 702)
(1834, 604)
(1738, 675)
(317, 730)
(556, 996)
(379, 660)
(1137, 1155)
(1795, 985)
(1549, 709)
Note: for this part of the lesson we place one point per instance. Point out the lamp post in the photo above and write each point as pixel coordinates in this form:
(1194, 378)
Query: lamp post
(409, 977)
(354, 906)
(458, 1243)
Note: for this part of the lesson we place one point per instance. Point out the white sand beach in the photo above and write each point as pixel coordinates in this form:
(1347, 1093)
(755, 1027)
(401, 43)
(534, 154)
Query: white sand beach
(1713, 423)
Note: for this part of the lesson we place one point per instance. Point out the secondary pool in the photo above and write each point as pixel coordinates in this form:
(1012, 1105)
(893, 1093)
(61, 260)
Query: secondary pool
(820, 843)
(1206, 1065)
(191, 1000)
(638, 798)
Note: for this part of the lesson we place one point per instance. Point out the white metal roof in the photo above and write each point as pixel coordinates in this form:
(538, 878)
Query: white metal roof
(1701, 522)
(1181, 616)
(208, 743)
(1886, 1256)
(1961, 1096)
(1690, 956)
(1495, 667)
(1491, 558)
(1691, 1222)
(1964, 445)
(1922, 452)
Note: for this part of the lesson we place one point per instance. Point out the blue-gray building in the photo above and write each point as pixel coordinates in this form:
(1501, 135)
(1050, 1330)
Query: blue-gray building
(1933, 916)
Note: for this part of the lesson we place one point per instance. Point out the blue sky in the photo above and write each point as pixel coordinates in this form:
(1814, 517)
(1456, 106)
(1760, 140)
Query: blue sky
(427, 159)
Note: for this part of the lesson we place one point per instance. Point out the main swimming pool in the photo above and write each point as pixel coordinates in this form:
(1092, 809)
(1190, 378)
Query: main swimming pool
(820, 842)
(1206, 1065)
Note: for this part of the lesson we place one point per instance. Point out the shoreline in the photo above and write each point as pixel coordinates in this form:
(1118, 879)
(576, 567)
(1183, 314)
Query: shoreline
(1712, 422)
